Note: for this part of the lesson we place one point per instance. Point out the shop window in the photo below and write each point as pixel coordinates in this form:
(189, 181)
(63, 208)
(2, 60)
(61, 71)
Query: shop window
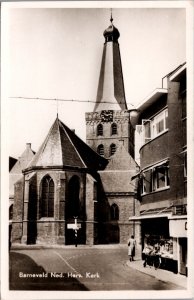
(47, 198)
(161, 244)
(99, 129)
(100, 150)
(112, 149)
(114, 212)
(113, 129)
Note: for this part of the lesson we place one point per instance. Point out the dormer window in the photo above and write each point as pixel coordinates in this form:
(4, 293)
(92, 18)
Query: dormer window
(99, 129)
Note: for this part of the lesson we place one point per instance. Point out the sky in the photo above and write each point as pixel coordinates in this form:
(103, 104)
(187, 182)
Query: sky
(56, 53)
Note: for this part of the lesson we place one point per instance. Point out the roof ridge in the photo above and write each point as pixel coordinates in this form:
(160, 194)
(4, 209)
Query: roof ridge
(60, 138)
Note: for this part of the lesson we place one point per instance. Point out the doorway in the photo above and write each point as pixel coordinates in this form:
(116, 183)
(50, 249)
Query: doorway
(183, 256)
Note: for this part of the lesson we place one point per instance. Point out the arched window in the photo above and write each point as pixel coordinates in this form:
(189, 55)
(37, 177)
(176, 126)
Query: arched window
(100, 150)
(112, 149)
(113, 129)
(47, 199)
(100, 129)
(73, 199)
(114, 212)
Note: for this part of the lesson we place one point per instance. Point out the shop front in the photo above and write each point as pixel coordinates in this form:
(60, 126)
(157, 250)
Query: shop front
(156, 235)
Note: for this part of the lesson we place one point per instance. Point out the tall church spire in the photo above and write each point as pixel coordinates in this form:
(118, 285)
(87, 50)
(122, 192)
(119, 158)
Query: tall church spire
(111, 85)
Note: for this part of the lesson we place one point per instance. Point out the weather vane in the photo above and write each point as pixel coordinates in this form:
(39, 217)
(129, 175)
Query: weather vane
(57, 107)
(111, 18)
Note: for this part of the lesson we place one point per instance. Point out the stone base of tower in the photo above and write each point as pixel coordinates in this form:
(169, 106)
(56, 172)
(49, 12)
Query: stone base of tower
(90, 233)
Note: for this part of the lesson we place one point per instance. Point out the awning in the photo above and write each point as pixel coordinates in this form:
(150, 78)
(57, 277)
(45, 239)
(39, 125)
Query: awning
(164, 212)
(137, 218)
(161, 164)
(136, 175)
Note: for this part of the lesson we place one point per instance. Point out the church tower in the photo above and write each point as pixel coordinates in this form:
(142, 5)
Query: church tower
(109, 123)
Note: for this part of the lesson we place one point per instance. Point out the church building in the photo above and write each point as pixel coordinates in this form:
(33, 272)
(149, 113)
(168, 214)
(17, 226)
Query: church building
(69, 181)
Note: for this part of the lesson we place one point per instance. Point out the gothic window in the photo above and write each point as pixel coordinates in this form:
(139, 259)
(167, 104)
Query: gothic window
(100, 150)
(114, 212)
(113, 129)
(112, 149)
(47, 197)
(73, 199)
(99, 129)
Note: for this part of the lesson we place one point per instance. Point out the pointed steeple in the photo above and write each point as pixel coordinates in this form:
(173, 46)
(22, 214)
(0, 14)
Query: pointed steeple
(111, 93)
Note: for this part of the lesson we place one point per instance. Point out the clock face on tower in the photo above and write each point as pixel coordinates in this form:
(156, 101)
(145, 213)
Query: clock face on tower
(106, 115)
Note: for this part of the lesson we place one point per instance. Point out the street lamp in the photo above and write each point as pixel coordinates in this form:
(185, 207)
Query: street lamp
(134, 115)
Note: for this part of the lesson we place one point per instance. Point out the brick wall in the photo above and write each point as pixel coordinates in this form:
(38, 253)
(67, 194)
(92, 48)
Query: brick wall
(124, 131)
(17, 212)
(168, 145)
(90, 200)
(127, 206)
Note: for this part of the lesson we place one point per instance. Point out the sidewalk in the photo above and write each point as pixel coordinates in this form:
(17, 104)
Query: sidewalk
(160, 274)
(56, 246)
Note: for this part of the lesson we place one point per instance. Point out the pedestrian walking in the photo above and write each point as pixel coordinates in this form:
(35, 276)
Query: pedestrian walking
(147, 254)
(131, 248)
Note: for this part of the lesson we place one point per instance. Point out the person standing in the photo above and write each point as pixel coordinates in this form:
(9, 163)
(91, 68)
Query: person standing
(131, 248)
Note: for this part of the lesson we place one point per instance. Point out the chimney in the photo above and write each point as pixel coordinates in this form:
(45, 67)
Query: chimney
(73, 130)
(28, 145)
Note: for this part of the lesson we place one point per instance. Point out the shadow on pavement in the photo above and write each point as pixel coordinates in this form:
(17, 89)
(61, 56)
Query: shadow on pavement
(25, 274)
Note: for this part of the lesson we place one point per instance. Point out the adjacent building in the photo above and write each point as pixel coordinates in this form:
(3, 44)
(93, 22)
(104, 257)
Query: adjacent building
(162, 179)
(15, 172)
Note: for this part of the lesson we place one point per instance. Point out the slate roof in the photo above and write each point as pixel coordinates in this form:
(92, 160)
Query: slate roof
(116, 178)
(121, 160)
(16, 172)
(62, 147)
(12, 162)
(23, 160)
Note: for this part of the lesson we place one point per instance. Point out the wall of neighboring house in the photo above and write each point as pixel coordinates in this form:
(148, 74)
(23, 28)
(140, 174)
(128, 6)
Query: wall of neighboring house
(167, 151)
(167, 145)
